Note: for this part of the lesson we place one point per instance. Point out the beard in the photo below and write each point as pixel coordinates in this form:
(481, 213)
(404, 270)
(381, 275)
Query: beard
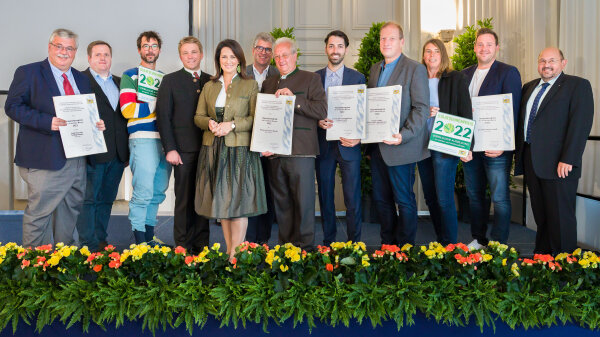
(336, 62)
(145, 58)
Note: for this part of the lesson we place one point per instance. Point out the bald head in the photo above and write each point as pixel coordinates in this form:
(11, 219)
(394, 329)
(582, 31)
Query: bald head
(551, 63)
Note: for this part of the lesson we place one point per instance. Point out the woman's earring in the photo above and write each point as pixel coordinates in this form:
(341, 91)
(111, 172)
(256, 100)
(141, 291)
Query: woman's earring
(239, 68)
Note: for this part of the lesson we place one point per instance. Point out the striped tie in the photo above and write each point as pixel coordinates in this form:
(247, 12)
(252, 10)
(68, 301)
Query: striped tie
(534, 108)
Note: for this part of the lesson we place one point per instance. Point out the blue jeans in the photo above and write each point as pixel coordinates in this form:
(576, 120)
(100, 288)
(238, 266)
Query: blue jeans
(102, 184)
(151, 173)
(478, 172)
(394, 185)
(437, 177)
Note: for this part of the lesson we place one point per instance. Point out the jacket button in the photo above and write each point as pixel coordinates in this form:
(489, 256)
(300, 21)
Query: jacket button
(298, 106)
(195, 80)
(198, 91)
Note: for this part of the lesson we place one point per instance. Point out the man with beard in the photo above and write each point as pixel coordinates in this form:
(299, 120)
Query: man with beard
(176, 105)
(150, 169)
(343, 152)
(551, 137)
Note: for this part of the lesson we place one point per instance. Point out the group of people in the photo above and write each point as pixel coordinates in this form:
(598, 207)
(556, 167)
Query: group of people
(201, 126)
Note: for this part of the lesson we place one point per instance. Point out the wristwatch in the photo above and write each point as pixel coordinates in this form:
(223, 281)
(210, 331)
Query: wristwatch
(232, 125)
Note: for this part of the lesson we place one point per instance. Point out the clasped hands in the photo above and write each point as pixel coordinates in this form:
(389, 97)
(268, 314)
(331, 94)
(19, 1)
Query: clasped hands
(58, 122)
(220, 129)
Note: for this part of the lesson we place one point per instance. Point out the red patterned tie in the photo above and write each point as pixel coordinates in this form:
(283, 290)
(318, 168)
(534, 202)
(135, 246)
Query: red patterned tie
(196, 75)
(67, 86)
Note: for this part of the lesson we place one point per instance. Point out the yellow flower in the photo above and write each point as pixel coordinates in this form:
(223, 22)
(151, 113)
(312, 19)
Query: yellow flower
(337, 245)
(348, 244)
(365, 263)
(283, 268)
(561, 256)
(423, 248)
(487, 257)
(515, 269)
(406, 247)
(577, 252)
(216, 246)
(584, 262)
(165, 250)
(60, 245)
(65, 252)
(504, 262)
(53, 260)
(1, 260)
(360, 246)
(430, 253)
(85, 251)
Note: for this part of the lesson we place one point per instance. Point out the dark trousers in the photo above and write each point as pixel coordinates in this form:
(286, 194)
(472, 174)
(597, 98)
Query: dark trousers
(437, 175)
(350, 169)
(259, 227)
(190, 230)
(553, 206)
(394, 185)
(102, 185)
(293, 186)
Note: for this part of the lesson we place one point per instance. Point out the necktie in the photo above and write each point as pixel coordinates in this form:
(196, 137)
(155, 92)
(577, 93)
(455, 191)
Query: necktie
(67, 86)
(196, 75)
(533, 112)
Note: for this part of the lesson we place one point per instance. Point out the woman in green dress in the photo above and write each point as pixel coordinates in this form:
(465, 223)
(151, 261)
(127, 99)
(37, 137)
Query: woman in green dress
(230, 183)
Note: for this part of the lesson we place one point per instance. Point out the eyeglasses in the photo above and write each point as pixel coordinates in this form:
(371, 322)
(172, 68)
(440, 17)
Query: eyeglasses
(550, 61)
(60, 47)
(262, 49)
(150, 46)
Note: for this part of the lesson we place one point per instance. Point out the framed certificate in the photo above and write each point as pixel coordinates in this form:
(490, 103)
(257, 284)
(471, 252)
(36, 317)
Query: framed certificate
(346, 106)
(451, 134)
(383, 113)
(80, 137)
(273, 124)
(494, 123)
(148, 82)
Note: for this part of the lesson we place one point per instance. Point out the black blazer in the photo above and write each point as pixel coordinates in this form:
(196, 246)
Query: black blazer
(453, 96)
(175, 109)
(115, 135)
(561, 127)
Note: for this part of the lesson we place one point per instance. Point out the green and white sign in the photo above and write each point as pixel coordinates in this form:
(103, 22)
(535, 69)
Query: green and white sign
(148, 83)
(451, 134)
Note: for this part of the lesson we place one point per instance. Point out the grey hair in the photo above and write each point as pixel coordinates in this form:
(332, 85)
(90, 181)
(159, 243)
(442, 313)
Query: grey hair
(282, 40)
(263, 36)
(65, 34)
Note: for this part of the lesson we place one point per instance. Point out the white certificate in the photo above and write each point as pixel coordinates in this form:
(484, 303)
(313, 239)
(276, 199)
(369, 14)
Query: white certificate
(80, 137)
(451, 134)
(494, 123)
(148, 83)
(346, 106)
(273, 124)
(383, 113)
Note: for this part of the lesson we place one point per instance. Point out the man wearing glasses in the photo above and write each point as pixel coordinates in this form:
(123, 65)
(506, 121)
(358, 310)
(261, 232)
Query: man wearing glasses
(147, 161)
(55, 184)
(259, 227)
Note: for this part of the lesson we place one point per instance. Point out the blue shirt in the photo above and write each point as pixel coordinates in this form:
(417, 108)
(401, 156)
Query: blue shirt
(434, 99)
(59, 79)
(333, 78)
(386, 72)
(109, 88)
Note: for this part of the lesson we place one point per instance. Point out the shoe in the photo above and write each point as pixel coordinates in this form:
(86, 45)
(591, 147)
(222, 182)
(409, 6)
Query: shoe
(475, 245)
(149, 235)
(140, 237)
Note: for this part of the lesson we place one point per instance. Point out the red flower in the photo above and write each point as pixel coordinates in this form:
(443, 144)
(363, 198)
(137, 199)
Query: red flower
(45, 248)
(115, 256)
(97, 268)
(329, 267)
(114, 264)
(543, 257)
(379, 253)
(189, 259)
(20, 255)
(233, 260)
(390, 248)
(109, 247)
(25, 263)
(179, 250)
(253, 245)
(462, 246)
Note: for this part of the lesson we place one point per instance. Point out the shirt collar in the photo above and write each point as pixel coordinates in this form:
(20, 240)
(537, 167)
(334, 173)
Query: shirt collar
(551, 82)
(58, 73)
(338, 73)
(258, 72)
(193, 71)
(283, 77)
(391, 64)
(223, 81)
(96, 75)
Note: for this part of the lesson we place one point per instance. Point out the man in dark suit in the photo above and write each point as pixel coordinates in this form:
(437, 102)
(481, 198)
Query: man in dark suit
(344, 152)
(293, 177)
(551, 137)
(393, 162)
(104, 170)
(490, 77)
(55, 184)
(259, 227)
(176, 105)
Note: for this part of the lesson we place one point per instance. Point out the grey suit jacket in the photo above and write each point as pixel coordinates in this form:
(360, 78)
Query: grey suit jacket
(412, 76)
(272, 71)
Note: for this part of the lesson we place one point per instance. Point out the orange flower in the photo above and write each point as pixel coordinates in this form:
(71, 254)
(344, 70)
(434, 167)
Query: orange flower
(543, 257)
(450, 247)
(109, 247)
(233, 260)
(114, 256)
(20, 255)
(189, 259)
(462, 246)
(45, 248)
(390, 248)
(97, 268)
(379, 253)
(114, 264)
(25, 263)
(329, 267)
(179, 250)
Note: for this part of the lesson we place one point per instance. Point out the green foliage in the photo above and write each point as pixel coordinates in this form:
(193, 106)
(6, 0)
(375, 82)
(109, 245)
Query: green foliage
(334, 286)
(464, 55)
(369, 53)
(288, 32)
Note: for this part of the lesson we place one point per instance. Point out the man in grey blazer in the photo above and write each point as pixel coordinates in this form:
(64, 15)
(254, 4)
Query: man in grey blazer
(393, 163)
(259, 227)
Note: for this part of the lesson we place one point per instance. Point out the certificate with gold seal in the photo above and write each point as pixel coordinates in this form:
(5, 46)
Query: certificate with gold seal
(346, 107)
(273, 124)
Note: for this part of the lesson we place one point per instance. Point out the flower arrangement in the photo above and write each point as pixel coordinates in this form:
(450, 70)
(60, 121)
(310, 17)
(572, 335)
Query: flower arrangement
(333, 285)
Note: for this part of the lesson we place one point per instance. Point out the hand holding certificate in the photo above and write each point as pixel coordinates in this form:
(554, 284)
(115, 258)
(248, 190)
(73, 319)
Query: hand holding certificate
(81, 136)
(273, 124)
(383, 114)
(346, 107)
(494, 123)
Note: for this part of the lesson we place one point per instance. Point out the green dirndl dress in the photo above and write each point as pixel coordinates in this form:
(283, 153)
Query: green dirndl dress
(229, 180)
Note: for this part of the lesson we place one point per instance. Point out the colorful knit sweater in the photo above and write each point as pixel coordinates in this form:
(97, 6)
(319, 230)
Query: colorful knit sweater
(141, 116)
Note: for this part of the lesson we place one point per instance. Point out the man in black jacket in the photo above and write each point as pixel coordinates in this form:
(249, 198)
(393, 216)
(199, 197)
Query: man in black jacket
(104, 170)
(176, 105)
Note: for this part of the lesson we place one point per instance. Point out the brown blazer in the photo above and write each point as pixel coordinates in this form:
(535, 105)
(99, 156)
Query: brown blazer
(311, 106)
(239, 108)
